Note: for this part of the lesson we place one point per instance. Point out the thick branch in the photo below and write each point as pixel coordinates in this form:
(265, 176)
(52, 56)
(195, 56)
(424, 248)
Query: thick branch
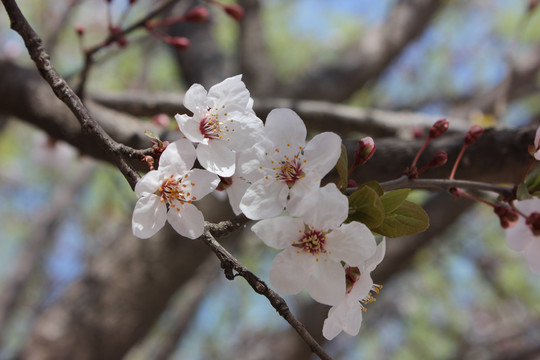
(64, 92)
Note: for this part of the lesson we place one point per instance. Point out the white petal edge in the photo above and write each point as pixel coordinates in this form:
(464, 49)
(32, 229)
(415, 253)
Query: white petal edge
(188, 221)
(149, 216)
(217, 158)
(279, 232)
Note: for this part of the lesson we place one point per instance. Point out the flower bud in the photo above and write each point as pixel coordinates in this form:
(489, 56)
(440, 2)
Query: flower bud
(532, 5)
(438, 128)
(197, 14)
(418, 132)
(533, 222)
(79, 29)
(508, 217)
(162, 120)
(439, 159)
(364, 151)
(473, 134)
(351, 183)
(179, 43)
(234, 11)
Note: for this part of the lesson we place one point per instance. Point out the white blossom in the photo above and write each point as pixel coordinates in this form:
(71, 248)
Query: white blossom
(314, 246)
(166, 194)
(347, 314)
(223, 123)
(289, 171)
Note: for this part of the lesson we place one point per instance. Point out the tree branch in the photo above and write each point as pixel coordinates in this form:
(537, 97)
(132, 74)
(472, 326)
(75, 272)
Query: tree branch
(231, 265)
(64, 92)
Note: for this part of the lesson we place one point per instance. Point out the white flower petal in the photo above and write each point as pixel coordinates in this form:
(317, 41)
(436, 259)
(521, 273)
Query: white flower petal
(235, 192)
(519, 236)
(149, 183)
(287, 274)
(205, 182)
(330, 210)
(284, 126)
(149, 216)
(231, 93)
(186, 220)
(303, 197)
(279, 232)
(371, 263)
(322, 153)
(191, 128)
(352, 243)
(532, 255)
(195, 99)
(264, 199)
(216, 157)
(327, 282)
(180, 155)
(537, 140)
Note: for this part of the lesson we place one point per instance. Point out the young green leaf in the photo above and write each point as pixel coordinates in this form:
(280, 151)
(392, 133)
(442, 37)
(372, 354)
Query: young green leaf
(409, 218)
(392, 199)
(366, 207)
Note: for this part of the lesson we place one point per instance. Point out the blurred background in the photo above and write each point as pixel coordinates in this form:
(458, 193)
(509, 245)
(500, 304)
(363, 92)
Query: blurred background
(72, 275)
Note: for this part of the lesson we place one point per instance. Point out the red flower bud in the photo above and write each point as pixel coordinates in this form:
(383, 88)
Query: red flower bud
(439, 159)
(532, 5)
(438, 128)
(418, 132)
(79, 29)
(351, 183)
(364, 151)
(473, 134)
(234, 11)
(508, 217)
(179, 43)
(162, 120)
(197, 14)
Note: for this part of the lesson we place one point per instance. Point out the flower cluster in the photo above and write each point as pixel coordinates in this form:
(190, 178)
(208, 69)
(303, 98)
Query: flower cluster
(272, 174)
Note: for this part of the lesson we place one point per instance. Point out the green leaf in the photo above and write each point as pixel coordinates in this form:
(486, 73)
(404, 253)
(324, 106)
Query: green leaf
(392, 199)
(523, 193)
(375, 186)
(153, 135)
(409, 218)
(342, 168)
(533, 180)
(366, 207)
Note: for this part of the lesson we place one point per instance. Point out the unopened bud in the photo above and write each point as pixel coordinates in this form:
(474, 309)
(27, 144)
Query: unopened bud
(364, 151)
(532, 5)
(197, 14)
(473, 134)
(508, 217)
(439, 159)
(179, 43)
(131, 2)
(234, 11)
(79, 29)
(351, 183)
(533, 222)
(162, 120)
(438, 128)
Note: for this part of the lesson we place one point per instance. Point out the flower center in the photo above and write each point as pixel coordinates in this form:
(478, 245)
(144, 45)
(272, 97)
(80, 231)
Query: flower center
(213, 128)
(176, 190)
(312, 242)
(289, 170)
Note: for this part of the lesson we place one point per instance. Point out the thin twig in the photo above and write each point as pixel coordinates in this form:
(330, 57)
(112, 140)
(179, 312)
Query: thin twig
(64, 92)
(89, 53)
(445, 184)
(230, 265)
